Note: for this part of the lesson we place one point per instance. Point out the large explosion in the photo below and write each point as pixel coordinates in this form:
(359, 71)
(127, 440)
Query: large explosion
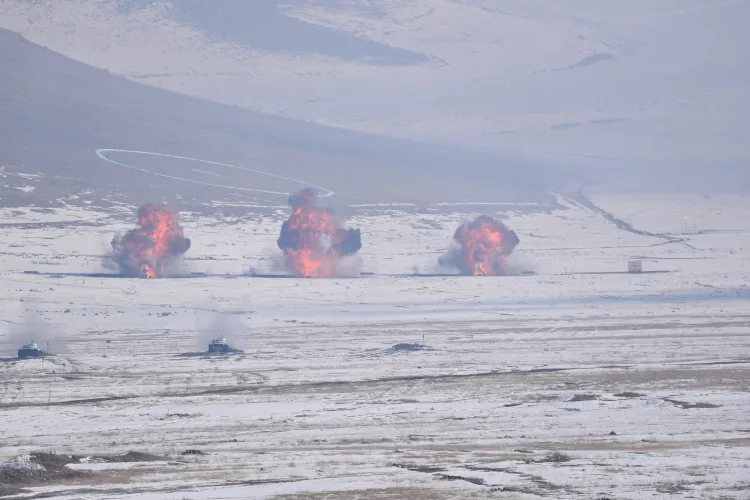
(313, 239)
(483, 247)
(146, 250)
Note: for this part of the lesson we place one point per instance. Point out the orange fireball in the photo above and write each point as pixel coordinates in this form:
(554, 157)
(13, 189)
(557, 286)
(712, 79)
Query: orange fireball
(312, 238)
(483, 247)
(145, 250)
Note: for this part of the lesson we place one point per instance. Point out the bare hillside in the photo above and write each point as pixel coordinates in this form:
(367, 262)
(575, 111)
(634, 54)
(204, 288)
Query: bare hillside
(58, 112)
(607, 91)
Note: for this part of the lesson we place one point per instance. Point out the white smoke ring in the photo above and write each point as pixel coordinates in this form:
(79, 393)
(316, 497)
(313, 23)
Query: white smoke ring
(102, 153)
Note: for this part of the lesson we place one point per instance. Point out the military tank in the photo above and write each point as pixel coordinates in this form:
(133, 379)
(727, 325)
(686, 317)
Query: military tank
(220, 345)
(30, 350)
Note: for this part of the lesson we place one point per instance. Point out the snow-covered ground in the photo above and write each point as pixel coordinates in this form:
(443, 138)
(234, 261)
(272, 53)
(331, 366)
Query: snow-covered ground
(586, 82)
(637, 382)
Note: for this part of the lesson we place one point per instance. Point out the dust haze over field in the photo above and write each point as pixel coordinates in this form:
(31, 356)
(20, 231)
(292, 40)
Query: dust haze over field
(494, 167)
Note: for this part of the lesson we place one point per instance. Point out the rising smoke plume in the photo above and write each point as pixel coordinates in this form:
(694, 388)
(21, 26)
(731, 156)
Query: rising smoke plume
(216, 324)
(147, 250)
(313, 238)
(483, 247)
(34, 325)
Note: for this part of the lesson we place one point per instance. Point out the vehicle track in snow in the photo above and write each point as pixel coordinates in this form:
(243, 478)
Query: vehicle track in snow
(584, 201)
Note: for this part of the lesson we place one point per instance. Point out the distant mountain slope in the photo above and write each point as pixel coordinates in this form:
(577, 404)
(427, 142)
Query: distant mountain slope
(266, 26)
(57, 112)
(618, 89)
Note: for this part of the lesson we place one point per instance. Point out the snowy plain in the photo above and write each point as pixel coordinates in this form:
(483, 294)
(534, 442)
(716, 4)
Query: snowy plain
(580, 381)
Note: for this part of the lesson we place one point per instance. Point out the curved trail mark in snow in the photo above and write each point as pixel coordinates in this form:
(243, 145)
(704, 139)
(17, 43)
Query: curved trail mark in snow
(102, 153)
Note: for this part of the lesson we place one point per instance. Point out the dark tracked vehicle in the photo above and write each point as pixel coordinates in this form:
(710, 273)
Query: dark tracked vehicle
(30, 350)
(220, 345)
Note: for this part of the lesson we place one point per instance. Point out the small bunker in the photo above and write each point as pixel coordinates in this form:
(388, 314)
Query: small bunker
(635, 266)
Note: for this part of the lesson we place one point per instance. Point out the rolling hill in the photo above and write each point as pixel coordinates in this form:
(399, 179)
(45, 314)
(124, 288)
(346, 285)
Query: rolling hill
(57, 112)
(637, 95)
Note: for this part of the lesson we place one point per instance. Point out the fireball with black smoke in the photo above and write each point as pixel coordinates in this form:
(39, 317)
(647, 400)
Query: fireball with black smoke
(483, 248)
(313, 238)
(146, 250)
